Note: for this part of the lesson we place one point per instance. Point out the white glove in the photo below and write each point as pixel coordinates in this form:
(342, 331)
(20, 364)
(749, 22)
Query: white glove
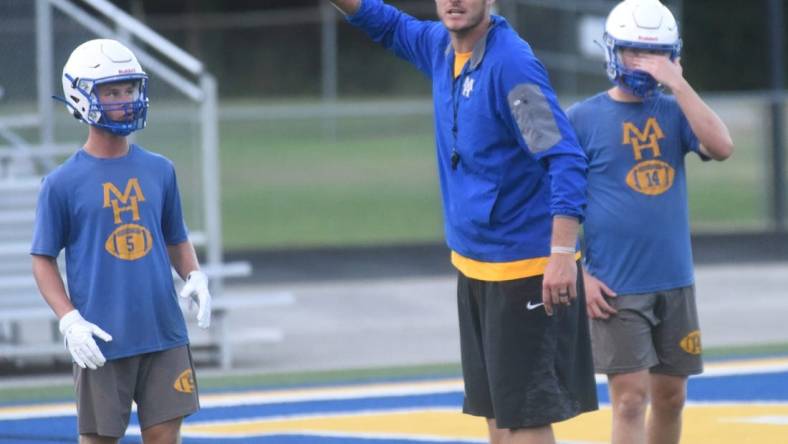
(78, 334)
(196, 290)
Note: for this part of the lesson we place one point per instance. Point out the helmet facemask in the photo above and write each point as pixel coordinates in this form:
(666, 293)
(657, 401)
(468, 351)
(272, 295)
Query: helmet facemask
(135, 110)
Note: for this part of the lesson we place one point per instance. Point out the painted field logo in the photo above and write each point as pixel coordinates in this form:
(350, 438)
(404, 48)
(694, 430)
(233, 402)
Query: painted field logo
(651, 177)
(185, 382)
(691, 343)
(129, 242)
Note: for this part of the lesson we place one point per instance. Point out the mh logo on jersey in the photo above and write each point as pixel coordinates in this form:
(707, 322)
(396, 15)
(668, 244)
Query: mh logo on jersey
(651, 177)
(648, 139)
(467, 87)
(128, 241)
(131, 197)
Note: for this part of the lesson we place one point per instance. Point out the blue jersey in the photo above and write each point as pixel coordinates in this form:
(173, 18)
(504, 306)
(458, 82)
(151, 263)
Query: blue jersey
(636, 233)
(115, 218)
(507, 157)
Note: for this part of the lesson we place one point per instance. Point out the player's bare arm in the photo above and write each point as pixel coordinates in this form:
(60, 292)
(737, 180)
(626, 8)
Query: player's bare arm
(196, 292)
(77, 331)
(50, 284)
(559, 286)
(596, 291)
(348, 7)
(711, 131)
(183, 258)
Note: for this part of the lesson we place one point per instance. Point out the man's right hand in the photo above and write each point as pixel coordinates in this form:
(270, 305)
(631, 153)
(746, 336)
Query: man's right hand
(596, 290)
(79, 340)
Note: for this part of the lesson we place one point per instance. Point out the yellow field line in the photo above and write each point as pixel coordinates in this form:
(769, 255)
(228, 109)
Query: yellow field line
(358, 391)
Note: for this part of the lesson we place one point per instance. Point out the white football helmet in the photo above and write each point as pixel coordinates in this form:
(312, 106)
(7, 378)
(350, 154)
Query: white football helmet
(640, 24)
(97, 62)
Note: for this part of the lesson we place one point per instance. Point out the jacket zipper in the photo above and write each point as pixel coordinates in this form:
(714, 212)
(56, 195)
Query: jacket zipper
(455, 156)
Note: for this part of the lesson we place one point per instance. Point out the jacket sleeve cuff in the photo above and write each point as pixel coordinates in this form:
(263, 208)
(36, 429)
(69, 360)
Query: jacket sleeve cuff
(363, 11)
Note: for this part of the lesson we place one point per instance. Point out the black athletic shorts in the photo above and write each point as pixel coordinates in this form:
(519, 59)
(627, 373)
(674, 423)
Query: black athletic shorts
(520, 366)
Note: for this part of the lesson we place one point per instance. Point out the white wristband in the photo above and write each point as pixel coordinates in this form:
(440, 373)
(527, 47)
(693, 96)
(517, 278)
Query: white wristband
(562, 250)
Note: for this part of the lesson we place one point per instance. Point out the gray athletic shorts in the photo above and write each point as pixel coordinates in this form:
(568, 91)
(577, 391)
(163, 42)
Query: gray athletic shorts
(656, 331)
(161, 383)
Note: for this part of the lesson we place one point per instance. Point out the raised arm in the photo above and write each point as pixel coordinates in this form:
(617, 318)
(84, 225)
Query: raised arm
(348, 7)
(715, 139)
(417, 41)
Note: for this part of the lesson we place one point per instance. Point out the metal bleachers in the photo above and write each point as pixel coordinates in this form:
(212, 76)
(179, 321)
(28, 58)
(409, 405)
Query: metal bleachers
(27, 325)
(30, 147)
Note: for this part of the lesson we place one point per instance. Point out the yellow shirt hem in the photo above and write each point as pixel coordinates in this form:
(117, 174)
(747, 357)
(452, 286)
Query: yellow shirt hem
(500, 271)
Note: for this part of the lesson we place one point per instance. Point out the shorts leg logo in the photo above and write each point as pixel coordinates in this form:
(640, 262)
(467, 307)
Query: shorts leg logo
(185, 382)
(691, 343)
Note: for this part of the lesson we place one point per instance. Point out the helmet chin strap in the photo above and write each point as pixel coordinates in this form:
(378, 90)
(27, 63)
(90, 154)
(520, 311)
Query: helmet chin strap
(117, 130)
(123, 127)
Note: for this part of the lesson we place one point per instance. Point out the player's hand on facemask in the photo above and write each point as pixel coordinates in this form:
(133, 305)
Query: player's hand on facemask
(196, 291)
(665, 71)
(78, 334)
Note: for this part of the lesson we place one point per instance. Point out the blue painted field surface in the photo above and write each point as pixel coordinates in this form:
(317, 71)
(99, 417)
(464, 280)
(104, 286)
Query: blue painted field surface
(749, 399)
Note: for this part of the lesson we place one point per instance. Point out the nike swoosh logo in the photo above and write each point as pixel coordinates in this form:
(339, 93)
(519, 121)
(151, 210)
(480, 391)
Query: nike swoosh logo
(531, 306)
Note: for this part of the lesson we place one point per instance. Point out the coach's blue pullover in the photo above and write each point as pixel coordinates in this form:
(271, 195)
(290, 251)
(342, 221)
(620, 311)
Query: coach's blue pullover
(507, 157)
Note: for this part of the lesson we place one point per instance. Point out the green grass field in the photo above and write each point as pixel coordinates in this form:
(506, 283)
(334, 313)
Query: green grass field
(372, 180)
(290, 183)
(285, 184)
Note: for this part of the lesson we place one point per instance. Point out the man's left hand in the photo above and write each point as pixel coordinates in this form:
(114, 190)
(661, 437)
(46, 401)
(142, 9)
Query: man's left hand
(559, 286)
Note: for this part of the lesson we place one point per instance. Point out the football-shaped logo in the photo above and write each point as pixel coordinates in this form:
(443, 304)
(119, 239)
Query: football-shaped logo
(691, 343)
(185, 382)
(129, 242)
(651, 177)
